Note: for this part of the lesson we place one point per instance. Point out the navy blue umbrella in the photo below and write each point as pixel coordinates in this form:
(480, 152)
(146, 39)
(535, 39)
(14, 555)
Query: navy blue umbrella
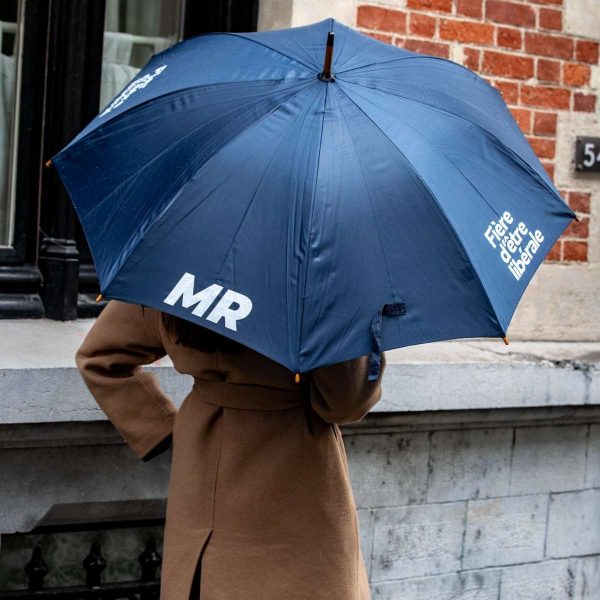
(315, 211)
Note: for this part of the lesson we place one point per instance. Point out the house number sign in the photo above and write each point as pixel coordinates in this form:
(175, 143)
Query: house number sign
(587, 154)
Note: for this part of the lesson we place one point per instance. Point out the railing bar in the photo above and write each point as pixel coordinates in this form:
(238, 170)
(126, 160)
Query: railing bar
(78, 591)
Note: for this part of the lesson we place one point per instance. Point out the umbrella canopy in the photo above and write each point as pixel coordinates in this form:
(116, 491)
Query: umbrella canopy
(314, 214)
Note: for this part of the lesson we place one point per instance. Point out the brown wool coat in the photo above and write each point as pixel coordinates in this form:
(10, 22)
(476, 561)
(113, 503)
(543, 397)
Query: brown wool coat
(259, 490)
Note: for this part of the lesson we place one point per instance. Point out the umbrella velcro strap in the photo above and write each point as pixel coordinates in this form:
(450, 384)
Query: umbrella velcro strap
(394, 309)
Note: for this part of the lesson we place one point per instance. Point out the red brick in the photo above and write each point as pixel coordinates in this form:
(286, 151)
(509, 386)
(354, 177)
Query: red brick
(466, 31)
(382, 37)
(543, 147)
(469, 8)
(383, 19)
(437, 5)
(550, 18)
(576, 74)
(584, 102)
(549, 97)
(544, 123)
(472, 56)
(548, 45)
(510, 12)
(575, 251)
(548, 70)
(507, 65)
(523, 118)
(580, 201)
(578, 229)
(549, 167)
(509, 38)
(509, 91)
(426, 47)
(423, 25)
(554, 254)
(557, 2)
(587, 51)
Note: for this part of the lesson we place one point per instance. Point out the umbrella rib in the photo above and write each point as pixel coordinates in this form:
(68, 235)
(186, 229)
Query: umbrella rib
(254, 194)
(413, 57)
(424, 183)
(512, 154)
(453, 164)
(395, 295)
(269, 47)
(138, 107)
(310, 221)
(127, 251)
(166, 149)
(382, 62)
(170, 202)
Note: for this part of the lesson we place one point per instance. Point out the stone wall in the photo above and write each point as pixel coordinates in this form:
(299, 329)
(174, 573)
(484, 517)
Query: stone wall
(505, 511)
(472, 505)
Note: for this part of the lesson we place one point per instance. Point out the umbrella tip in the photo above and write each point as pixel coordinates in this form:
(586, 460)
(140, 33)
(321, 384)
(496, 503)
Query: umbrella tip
(98, 297)
(505, 340)
(326, 75)
(297, 378)
(48, 162)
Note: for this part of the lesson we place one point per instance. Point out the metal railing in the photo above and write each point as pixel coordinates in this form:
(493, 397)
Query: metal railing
(146, 588)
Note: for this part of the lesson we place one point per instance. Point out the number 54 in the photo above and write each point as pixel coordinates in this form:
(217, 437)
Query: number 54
(589, 155)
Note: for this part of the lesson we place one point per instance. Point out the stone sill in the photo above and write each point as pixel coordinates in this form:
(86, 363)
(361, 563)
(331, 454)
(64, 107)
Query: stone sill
(39, 382)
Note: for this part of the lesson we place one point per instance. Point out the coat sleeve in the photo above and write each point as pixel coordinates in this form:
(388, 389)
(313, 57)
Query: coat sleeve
(341, 393)
(124, 337)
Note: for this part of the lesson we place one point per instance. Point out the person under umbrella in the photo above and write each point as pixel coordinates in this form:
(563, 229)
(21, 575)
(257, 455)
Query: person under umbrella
(274, 226)
(259, 500)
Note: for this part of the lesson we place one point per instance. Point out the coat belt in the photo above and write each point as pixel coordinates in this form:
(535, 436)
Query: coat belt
(249, 397)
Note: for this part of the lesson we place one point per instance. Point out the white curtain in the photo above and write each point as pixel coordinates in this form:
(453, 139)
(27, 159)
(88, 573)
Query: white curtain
(134, 30)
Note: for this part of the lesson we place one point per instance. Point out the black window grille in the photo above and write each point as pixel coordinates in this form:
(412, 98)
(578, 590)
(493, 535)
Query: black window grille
(147, 587)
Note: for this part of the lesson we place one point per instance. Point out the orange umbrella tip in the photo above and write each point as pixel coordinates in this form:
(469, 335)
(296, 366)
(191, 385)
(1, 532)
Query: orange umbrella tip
(48, 162)
(98, 297)
(505, 340)
(297, 378)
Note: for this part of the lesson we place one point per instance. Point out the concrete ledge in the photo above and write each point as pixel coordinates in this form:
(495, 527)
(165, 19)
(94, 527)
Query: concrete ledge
(39, 382)
(101, 432)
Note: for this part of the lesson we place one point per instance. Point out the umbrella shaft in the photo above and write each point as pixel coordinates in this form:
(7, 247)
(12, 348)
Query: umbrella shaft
(326, 74)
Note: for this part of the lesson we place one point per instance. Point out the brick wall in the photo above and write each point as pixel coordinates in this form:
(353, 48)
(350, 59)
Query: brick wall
(495, 513)
(520, 48)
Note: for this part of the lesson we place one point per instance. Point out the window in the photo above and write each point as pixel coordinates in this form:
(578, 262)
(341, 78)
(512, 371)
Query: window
(134, 30)
(9, 90)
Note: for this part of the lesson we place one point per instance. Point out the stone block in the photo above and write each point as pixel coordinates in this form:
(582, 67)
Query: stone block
(365, 524)
(582, 17)
(473, 585)
(592, 468)
(551, 580)
(469, 463)
(413, 541)
(502, 531)
(388, 469)
(548, 459)
(35, 479)
(588, 578)
(574, 524)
